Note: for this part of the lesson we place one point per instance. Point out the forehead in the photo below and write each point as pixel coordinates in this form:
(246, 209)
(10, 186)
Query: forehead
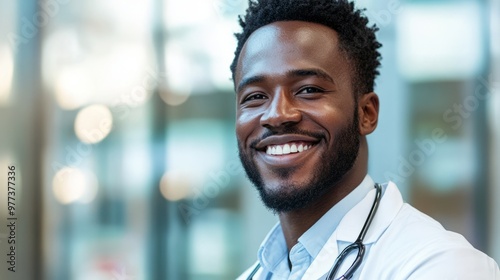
(282, 46)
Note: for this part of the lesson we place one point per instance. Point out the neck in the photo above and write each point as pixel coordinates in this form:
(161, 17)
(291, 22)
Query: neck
(297, 222)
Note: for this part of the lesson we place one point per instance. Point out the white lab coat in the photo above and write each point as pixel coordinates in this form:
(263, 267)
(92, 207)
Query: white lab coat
(402, 243)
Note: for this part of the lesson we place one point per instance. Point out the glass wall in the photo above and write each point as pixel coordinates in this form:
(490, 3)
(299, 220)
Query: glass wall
(118, 117)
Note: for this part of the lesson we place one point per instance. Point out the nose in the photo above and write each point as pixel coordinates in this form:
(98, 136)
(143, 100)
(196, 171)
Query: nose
(282, 111)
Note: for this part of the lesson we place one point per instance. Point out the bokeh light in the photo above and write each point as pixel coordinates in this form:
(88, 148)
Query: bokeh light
(74, 185)
(6, 70)
(175, 185)
(72, 87)
(93, 123)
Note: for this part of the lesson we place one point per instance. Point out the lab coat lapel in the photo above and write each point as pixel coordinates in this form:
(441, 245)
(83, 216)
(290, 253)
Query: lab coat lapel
(352, 223)
(350, 226)
(324, 260)
(258, 275)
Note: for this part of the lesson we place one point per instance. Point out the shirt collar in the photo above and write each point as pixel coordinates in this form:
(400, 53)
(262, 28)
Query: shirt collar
(273, 249)
(316, 236)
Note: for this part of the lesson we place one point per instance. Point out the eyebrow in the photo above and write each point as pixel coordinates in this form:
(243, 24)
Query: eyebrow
(291, 73)
(250, 80)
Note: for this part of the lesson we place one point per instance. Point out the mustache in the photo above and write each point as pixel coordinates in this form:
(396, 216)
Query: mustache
(284, 131)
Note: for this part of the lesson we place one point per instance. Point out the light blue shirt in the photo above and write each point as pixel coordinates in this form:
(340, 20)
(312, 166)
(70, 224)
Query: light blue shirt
(273, 255)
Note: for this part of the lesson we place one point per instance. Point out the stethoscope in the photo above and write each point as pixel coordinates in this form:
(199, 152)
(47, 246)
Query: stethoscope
(357, 245)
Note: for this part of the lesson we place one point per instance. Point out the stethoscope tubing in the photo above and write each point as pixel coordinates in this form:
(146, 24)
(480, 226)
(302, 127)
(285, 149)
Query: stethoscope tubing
(358, 244)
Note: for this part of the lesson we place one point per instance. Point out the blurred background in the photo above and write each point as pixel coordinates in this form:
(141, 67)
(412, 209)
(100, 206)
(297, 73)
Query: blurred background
(119, 119)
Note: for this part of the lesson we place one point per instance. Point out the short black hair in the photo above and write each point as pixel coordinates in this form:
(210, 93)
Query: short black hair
(356, 38)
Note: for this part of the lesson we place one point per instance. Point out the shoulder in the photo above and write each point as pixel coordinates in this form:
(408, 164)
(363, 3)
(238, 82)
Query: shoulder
(423, 249)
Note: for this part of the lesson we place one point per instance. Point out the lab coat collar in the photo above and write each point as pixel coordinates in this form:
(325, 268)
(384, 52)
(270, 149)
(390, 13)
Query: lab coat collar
(353, 221)
(350, 227)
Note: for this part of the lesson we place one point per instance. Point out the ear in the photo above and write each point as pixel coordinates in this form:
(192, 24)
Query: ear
(368, 105)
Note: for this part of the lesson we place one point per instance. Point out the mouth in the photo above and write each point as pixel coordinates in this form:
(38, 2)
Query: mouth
(288, 148)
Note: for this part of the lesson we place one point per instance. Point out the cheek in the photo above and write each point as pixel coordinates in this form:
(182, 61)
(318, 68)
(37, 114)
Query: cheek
(327, 115)
(331, 118)
(240, 133)
(245, 125)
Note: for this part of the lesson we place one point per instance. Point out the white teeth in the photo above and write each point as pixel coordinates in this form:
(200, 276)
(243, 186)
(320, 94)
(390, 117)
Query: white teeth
(287, 149)
(279, 150)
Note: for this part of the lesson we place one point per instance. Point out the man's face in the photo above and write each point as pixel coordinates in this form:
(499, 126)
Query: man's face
(297, 119)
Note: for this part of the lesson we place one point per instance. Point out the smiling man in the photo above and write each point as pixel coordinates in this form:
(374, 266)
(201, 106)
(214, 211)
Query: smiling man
(304, 76)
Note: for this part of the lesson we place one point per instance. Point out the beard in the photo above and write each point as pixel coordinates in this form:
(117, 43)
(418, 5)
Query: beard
(331, 168)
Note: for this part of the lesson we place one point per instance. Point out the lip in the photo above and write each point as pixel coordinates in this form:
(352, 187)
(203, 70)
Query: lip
(283, 139)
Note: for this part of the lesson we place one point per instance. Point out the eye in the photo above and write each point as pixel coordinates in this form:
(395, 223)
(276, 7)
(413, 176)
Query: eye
(255, 96)
(310, 89)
